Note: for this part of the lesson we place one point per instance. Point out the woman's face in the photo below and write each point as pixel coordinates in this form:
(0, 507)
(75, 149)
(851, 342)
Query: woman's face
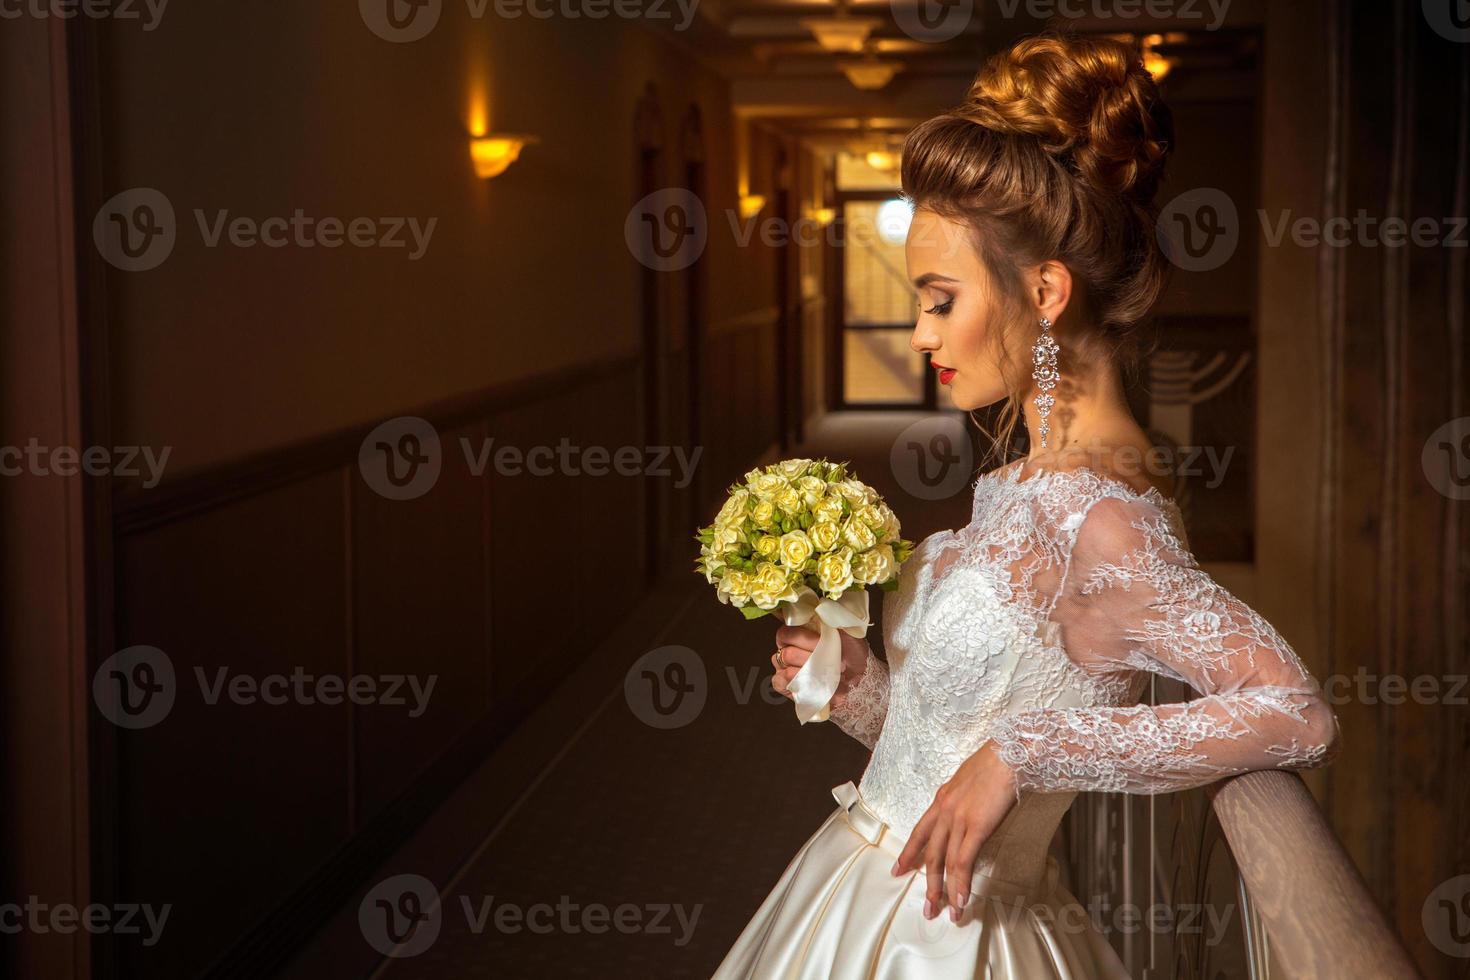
(961, 320)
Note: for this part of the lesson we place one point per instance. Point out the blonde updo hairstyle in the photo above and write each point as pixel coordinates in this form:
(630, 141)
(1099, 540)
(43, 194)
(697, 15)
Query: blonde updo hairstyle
(1056, 153)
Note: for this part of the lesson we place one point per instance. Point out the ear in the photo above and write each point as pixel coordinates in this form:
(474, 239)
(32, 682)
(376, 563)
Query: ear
(1050, 288)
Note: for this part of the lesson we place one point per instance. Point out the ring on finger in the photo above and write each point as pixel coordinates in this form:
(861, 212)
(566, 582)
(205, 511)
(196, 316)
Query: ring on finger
(781, 660)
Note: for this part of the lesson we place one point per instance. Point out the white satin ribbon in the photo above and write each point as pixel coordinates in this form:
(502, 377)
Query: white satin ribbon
(815, 683)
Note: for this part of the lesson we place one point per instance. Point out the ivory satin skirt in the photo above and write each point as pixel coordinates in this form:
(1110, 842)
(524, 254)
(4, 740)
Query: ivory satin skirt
(838, 914)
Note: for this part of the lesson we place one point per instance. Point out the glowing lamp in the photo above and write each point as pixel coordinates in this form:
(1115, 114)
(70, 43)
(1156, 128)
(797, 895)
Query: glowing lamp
(494, 153)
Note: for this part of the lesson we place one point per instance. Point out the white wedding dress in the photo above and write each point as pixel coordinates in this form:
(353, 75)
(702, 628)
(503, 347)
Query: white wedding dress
(1033, 626)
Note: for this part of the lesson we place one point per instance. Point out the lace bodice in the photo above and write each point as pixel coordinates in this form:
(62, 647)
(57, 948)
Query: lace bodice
(1036, 626)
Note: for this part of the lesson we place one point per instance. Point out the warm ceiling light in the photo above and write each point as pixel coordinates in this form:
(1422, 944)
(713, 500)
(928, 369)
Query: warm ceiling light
(840, 34)
(822, 216)
(883, 160)
(870, 74)
(750, 205)
(494, 153)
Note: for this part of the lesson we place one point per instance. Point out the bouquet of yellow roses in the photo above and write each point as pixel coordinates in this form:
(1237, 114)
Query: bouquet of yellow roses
(802, 539)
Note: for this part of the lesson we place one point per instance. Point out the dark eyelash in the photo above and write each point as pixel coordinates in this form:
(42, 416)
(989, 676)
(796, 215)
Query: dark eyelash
(941, 309)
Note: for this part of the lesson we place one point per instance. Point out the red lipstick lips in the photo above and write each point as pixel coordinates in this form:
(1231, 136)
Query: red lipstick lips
(946, 374)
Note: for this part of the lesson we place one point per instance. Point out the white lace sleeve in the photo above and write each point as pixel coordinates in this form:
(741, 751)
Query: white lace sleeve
(860, 712)
(1134, 599)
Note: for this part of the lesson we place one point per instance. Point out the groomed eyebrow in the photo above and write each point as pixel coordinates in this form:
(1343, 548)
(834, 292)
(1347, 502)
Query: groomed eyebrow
(928, 277)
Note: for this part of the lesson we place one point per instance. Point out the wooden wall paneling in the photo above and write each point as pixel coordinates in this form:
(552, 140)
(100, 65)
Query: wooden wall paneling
(47, 537)
(225, 808)
(536, 610)
(1366, 782)
(607, 508)
(418, 601)
(1430, 845)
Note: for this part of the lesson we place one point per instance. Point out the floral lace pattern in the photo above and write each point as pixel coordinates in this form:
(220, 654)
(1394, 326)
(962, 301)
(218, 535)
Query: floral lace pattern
(1036, 625)
(860, 712)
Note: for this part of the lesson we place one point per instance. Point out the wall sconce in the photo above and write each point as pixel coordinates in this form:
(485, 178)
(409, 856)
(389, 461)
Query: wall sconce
(492, 154)
(750, 205)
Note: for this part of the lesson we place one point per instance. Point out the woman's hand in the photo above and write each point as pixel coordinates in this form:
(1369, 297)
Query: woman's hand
(796, 644)
(947, 839)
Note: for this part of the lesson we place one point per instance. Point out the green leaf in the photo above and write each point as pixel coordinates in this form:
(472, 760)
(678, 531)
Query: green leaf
(754, 612)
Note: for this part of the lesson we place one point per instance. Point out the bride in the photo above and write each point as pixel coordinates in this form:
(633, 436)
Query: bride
(1018, 646)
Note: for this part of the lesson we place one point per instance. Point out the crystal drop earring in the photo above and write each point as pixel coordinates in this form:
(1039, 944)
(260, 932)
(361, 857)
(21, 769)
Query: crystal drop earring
(1044, 373)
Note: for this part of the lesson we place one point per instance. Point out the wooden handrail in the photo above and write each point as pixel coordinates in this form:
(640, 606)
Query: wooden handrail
(1318, 914)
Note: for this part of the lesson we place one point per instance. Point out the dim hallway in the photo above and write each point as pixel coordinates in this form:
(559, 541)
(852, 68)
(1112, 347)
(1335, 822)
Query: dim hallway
(368, 369)
(695, 819)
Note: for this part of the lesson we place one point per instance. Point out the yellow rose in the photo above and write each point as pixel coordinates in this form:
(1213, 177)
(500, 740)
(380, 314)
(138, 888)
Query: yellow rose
(734, 586)
(866, 567)
(768, 546)
(771, 586)
(811, 488)
(788, 500)
(829, 508)
(888, 563)
(824, 535)
(834, 573)
(796, 548)
(871, 515)
(763, 513)
(727, 536)
(793, 468)
(734, 507)
(891, 529)
(874, 567)
(767, 485)
(858, 535)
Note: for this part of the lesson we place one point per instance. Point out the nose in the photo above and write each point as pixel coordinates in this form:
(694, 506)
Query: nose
(924, 338)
